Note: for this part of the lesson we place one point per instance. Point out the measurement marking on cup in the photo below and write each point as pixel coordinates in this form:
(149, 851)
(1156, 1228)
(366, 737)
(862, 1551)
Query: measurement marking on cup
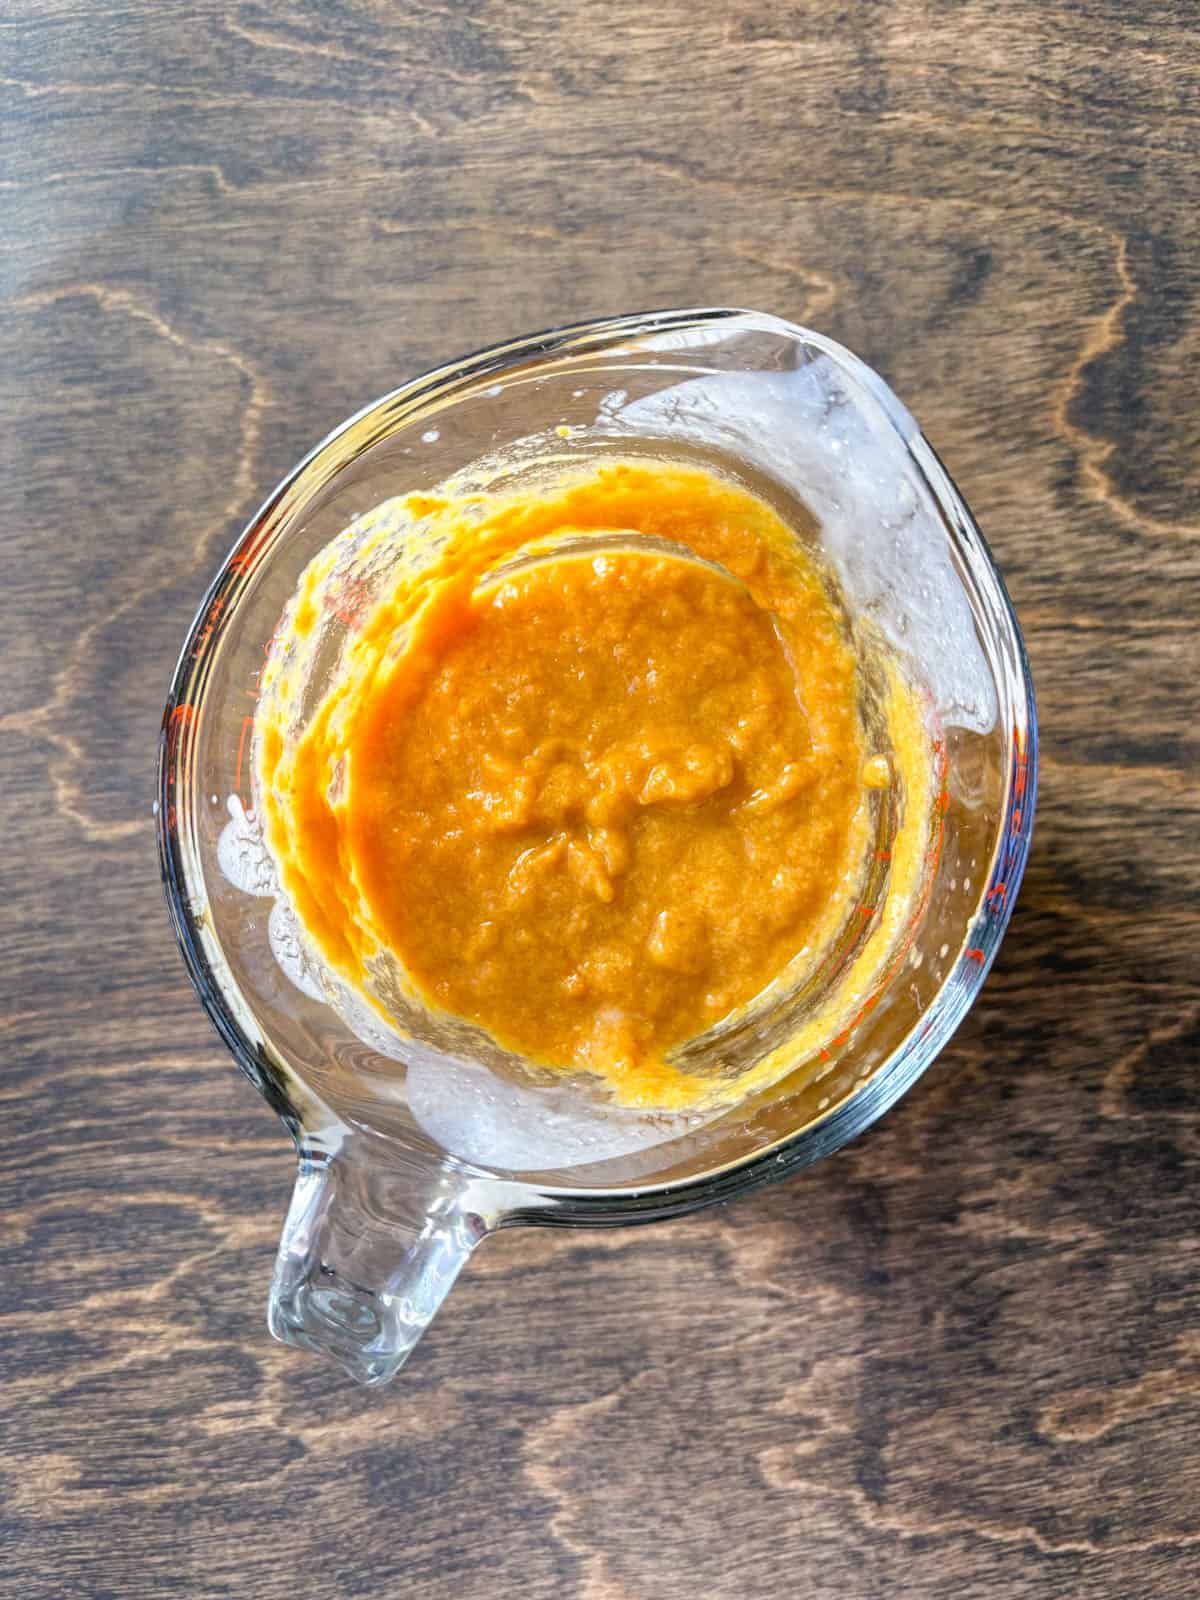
(243, 560)
(210, 625)
(247, 724)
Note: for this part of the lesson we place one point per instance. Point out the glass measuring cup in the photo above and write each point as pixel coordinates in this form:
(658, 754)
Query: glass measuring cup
(412, 1149)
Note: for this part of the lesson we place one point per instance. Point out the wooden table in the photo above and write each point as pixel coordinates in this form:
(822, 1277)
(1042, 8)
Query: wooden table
(960, 1359)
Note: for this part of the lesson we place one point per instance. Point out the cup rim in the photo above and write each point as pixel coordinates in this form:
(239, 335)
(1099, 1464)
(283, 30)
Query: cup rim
(347, 442)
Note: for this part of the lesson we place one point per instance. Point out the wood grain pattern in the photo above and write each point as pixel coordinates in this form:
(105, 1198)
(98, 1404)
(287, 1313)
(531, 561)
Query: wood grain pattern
(963, 1357)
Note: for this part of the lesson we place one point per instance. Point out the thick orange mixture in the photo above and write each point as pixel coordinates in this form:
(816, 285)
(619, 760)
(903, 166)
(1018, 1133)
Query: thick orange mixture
(595, 802)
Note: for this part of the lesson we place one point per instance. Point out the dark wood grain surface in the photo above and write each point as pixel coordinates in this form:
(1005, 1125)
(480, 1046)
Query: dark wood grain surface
(963, 1357)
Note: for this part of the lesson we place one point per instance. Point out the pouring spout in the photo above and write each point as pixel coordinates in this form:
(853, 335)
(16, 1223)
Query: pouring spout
(369, 1252)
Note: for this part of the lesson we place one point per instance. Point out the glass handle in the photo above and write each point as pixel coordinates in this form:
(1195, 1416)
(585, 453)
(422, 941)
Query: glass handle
(367, 1256)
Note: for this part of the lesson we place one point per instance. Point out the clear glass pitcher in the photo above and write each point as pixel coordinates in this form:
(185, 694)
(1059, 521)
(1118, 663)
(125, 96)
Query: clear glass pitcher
(408, 1157)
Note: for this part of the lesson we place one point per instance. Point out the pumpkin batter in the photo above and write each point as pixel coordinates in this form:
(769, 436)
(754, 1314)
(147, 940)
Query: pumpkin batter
(590, 793)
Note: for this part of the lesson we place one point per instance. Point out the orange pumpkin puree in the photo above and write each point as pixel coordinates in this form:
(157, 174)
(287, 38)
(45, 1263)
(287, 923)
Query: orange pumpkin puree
(589, 793)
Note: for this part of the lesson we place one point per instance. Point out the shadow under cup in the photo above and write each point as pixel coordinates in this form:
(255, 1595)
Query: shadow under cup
(445, 1117)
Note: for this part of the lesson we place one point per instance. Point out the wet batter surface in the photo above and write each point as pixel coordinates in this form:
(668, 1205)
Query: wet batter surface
(598, 801)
